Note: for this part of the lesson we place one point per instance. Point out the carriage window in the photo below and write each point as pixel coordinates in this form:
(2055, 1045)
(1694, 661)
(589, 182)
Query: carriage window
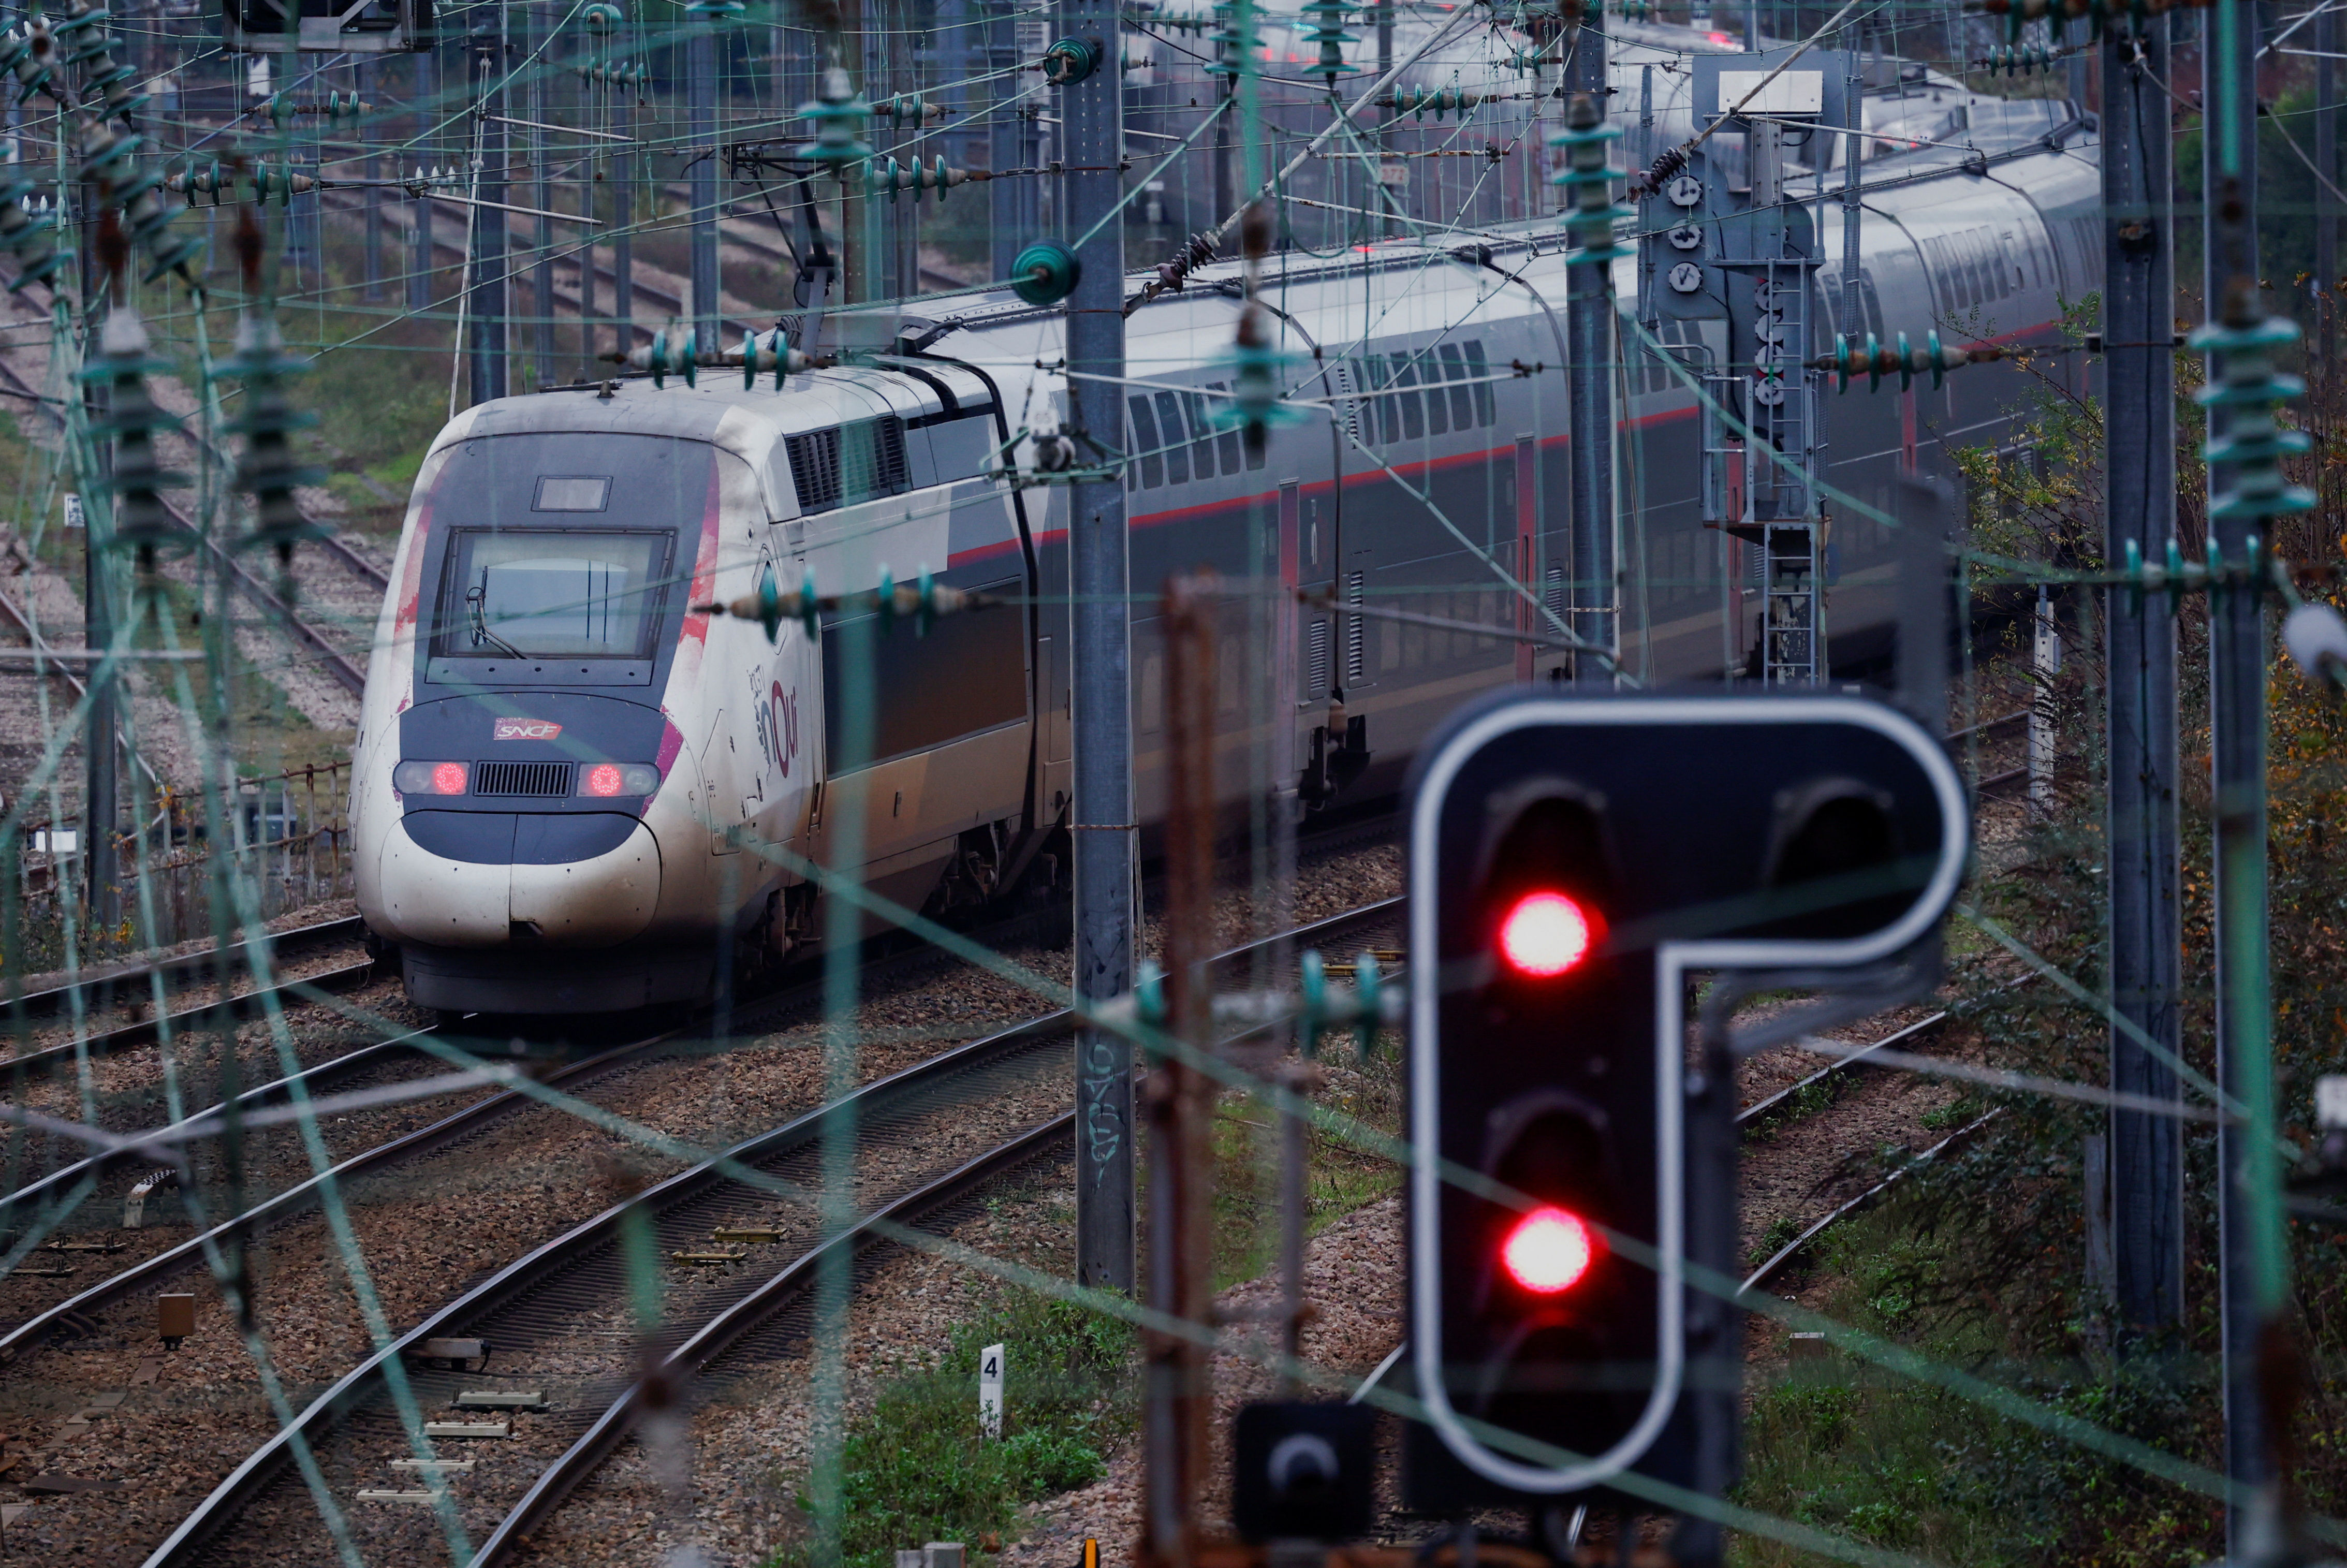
(1477, 368)
(1202, 432)
(1413, 417)
(1144, 444)
(1462, 402)
(1366, 383)
(553, 593)
(1228, 441)
(1169, 426)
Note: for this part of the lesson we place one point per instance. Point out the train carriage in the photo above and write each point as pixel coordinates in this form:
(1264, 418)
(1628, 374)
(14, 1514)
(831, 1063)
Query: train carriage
(576, 786)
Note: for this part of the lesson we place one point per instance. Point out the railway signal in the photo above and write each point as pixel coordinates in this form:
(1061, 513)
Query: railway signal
(1303, 1472)
(1575, 861)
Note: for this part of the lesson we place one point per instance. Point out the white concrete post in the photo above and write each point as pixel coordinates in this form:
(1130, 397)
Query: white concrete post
(989, 1390)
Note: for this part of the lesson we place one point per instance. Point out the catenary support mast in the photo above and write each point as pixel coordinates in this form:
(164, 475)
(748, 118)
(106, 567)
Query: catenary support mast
(486, 309)
(701, 50)
(2237, 636)
(2146, 1176)
(1589, 336)
(1098, 569)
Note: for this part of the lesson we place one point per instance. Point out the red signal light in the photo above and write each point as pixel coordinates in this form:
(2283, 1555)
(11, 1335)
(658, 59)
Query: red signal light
(603, 778)
(449, 778)
(1549, 1250)
(1545, 934)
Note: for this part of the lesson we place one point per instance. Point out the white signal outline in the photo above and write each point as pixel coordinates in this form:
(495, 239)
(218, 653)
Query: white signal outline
(1674, 962)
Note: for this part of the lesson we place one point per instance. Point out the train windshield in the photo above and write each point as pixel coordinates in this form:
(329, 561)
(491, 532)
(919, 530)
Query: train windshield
(570, 593)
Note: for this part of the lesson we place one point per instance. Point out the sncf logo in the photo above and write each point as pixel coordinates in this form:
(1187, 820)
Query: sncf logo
(524, 730)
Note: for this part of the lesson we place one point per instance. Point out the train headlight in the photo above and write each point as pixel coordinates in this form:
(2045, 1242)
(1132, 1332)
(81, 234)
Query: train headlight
(605, 780)
(430, 778)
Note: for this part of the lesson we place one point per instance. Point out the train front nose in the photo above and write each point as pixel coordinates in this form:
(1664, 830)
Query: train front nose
(517, 912)
(497, 879)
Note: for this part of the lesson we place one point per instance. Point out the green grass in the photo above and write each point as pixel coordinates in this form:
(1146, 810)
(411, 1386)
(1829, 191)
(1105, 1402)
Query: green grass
(1948, 1117)
(1849, 1448)
(1775, 1239)
(917, 1466)
(1339, 1177)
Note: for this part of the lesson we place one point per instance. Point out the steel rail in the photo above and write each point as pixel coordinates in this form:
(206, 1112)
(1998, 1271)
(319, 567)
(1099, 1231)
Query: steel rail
(184, 969)
(1862, 1059)
(217, 1513)
(685, 1364)
(34, 1331)
(147, 1032)
(1778, 1261)
(356, 563)
(23, 623)
(263, 1468)
(689, 1359)
(338, 664)
(1754, 1113)
(604, 271)
(360, 567)
(322, 1075)
(1761, 1111)
(782, 1001)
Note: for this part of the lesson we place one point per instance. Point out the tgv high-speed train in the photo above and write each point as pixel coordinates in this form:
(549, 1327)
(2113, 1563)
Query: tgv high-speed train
(576, 787)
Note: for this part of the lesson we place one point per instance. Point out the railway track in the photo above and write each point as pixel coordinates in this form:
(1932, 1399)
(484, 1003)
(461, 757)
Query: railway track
(153, 1255)
(52, 1176)
(347, 672)
(750, 236)
(235, 1008)
(1806, 1096)
(736, 230)
(96, 1320)
(557, 1315)
(379, 1061)
(1778, 1262)
(558, 1310)
(353, 205)
(101, 986)
(397, 1055)
(1795, 1098)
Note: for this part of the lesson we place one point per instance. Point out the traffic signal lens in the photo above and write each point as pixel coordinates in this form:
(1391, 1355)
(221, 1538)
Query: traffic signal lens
(1545, 934)
(1548, 1250)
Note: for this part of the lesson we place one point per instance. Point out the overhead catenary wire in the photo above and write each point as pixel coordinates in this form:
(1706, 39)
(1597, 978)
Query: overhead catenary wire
(1390, 462)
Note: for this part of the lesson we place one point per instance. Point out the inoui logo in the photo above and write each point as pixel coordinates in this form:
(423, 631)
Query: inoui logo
(782, 726)
(524, 730)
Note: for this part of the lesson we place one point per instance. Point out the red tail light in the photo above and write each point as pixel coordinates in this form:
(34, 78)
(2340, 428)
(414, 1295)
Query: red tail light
(603, 778)
(449, 778)
(1548, 1250)
(1545, 934)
